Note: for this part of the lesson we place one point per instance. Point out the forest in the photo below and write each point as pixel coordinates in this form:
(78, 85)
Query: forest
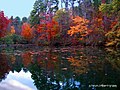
(62, 45)
(77, 22)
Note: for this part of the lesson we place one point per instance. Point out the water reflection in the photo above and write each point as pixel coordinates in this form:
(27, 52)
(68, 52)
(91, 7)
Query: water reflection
(60, 68)
(18, 81)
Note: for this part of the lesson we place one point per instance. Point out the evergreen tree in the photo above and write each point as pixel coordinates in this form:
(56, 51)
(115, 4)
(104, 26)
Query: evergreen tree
(42, 7)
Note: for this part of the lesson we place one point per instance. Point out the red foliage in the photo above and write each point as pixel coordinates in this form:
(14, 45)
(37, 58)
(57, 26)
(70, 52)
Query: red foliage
(103, 1)
(4, 21)
(4, 66)
(48, 30)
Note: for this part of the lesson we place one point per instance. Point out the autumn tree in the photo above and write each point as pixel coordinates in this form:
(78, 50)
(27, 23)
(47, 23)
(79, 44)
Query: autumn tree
(79, 28)
(112, 11)
(27, 31)
(4, 21)
(64, 19)
(103, 21)
(47, 31)
(97, 36)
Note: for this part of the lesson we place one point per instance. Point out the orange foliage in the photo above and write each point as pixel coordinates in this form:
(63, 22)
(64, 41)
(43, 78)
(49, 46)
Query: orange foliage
(96, 23)
(80, 65)
(27, 58)
(26, 31)
(113, 24)
(79, 26)
(12, 31)
(74, 62)
(12, 58)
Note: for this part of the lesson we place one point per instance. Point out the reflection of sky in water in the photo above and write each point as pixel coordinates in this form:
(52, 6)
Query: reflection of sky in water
(18, 81)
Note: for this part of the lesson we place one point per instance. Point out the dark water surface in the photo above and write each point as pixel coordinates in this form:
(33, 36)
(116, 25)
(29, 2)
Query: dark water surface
(70, 68)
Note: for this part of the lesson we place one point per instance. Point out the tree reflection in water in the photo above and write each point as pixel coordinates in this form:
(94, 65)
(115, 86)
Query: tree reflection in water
(65, 68)
(4, 67)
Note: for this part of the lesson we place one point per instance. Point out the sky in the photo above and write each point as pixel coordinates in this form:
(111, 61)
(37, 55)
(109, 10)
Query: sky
(21, 8)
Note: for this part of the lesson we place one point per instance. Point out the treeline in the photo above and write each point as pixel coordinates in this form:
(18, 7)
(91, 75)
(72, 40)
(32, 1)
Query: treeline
(77, 22)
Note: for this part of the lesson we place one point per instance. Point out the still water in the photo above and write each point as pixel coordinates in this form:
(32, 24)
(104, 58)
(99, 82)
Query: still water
(70, 68)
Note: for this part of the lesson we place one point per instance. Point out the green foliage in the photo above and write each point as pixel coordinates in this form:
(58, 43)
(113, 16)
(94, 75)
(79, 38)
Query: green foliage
(7, 40)
(96, 4)
(11, 39)
(16, 38)
(40, 8)
(24, 20)
(63, 18)
(105, 8)
(112, 8)
(60, 14)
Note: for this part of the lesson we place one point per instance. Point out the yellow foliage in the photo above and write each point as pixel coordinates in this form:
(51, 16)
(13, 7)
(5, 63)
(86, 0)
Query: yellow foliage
(113, 36)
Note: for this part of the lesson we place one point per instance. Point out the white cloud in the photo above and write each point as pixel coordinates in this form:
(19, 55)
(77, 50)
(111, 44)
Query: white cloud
(21, 74)
(18, 81)
(14, 85)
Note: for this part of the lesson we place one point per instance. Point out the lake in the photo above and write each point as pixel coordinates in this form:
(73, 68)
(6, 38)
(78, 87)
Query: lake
(63, 68)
